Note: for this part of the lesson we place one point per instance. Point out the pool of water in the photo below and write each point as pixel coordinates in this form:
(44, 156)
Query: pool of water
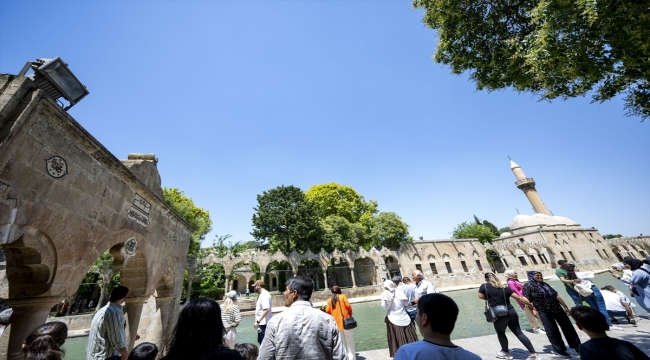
(371, 332)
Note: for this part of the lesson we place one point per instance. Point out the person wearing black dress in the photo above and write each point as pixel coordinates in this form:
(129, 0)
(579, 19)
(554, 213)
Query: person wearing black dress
(198, 334)
(496, 293)
(553, 311)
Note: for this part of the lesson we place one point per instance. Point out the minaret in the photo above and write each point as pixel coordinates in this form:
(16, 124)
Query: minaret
(527, 185)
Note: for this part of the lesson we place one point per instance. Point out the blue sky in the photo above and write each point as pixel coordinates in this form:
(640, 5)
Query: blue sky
(235, 98)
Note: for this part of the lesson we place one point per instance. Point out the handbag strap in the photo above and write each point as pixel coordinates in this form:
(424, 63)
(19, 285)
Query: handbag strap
(341, 310)
(487, 298)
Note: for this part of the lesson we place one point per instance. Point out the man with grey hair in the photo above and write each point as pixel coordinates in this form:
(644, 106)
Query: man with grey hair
(301, 332)
(5, 316)
(422, 287)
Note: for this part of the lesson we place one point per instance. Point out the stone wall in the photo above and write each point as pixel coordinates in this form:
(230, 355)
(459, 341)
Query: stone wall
(65, 200)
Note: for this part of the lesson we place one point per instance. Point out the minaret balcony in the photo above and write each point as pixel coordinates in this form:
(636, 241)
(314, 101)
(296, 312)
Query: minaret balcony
(526, 184)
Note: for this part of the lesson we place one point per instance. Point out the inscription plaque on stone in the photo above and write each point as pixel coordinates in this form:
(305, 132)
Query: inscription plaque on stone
(138, 216)
(56, 167)
(128, 250)
(142, 204)
(140, 211)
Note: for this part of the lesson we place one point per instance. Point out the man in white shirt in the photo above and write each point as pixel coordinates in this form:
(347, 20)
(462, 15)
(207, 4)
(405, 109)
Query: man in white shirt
(301, 332)
(262, 310)
(616, 304)
(422, 287)
(408, 288)
(436, 318)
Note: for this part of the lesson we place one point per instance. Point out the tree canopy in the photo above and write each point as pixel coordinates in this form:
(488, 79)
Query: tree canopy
(198, 218)
(341, 200)
(389, 230)
(612, 236)
(467, 230)
(286, 219)
(345, 216)
(552, 48)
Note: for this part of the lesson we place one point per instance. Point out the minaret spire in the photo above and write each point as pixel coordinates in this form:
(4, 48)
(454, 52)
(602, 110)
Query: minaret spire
(527, 185)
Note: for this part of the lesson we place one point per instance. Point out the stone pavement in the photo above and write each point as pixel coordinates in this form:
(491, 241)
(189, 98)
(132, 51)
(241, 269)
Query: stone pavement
(487, 346)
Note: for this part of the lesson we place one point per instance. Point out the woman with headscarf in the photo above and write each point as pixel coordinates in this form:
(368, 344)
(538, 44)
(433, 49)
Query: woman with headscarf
(495, 293)
(640, 280)
(231, 317)
(339, 307)
(553, 311)
(516, 286)
(400, 330)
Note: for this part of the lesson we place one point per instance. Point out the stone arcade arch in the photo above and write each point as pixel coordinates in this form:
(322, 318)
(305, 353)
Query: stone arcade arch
(365, 272)
(66, 199)
(312, 269)
(340, 273)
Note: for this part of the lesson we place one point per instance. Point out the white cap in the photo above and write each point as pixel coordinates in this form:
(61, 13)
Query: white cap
(232, 294)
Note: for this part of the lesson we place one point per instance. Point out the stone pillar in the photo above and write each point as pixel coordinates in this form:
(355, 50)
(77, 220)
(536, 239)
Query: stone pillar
(227, 284)
(354, 282)
(133, 309)
(160, 331)
(27, 315)
(327, 285)
(379, 282)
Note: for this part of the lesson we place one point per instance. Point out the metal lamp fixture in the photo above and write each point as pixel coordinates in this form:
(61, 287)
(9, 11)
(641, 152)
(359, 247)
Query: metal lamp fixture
(55, 78)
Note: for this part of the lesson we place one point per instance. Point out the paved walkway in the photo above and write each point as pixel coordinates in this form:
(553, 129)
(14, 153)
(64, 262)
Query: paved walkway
(487, 346)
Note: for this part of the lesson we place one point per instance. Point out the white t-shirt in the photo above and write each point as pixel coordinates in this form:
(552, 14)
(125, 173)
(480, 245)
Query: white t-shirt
(395, 309)
(424, 350)
(423, 288)
(613, 302)
(264, 302)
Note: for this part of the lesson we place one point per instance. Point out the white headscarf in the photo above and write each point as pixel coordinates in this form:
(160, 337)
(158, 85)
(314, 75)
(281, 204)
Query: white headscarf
(392, 292)
(510, 274)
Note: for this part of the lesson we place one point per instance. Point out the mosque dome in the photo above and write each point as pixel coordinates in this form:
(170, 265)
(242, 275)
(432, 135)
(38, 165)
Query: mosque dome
(505, 234)
(522, 221)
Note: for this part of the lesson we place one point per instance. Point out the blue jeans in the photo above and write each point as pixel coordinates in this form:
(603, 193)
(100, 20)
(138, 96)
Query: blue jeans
(577, 299)
(596, 301)
(617, 313)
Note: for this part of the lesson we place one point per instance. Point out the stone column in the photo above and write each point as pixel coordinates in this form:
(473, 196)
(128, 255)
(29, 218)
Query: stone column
(227, 284)
(27, 315)
(160, 331)
(327, 285)
(378, 271)
(354, 282)
(133, 309)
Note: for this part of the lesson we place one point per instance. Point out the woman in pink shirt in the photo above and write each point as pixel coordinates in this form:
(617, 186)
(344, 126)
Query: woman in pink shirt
(516, 286)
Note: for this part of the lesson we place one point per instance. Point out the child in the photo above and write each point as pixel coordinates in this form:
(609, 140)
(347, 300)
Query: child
(601, 346)
(144, 351)
(247, 351)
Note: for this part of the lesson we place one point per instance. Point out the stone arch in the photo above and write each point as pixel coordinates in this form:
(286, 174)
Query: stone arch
(247, 269)
(338, 272)
(461, 256)
(392, 266)
(279, 269)
(616, 252)
(311, 268)
(238, 283)
(417, 256)
(133, 271)
(431, 258)
(31, 263)
(364, 272)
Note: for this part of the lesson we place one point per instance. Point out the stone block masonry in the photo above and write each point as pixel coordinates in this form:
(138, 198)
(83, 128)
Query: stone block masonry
(65, 199)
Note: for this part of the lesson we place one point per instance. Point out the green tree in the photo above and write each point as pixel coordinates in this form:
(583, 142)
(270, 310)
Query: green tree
(612, 236)
(504, 229)
(286, 220)
(466, 230)
(489, 225)
(552, 48)
(198, 218)
(339, 233)
(389, 230)
(341, 200)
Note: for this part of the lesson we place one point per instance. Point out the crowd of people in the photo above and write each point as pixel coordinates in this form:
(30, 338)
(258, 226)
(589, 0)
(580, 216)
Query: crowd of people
(207, 330)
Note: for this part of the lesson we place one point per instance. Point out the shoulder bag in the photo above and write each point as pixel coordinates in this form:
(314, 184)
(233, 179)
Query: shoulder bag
(349, 323)
(493, 313)
(583, 290)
